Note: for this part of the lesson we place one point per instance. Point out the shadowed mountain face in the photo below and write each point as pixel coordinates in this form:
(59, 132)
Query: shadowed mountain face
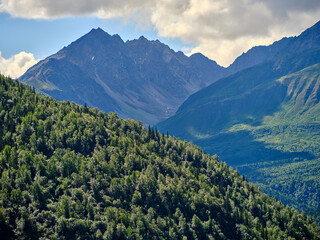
(259, 54)
(139, 79)
(264, 120)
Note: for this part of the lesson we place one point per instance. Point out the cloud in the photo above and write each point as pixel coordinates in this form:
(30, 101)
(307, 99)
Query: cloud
(223, 29)
(46, 9)
(220, 29)
(16, 65)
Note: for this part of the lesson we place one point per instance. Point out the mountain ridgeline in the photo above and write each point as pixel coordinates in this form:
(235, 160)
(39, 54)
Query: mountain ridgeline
(309, 40)
(140, 79)
(73, 172)
(264, 120)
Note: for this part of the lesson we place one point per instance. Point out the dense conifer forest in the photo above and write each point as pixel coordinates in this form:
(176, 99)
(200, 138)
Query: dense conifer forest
(72, 172)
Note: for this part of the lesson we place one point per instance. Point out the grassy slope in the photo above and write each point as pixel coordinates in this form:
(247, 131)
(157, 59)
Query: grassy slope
(294, 128)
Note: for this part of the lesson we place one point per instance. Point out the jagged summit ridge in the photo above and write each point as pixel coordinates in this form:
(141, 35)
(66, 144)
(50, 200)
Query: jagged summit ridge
(140, 79)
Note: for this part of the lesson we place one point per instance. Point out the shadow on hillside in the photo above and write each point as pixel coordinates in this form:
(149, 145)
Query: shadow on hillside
(240, 148)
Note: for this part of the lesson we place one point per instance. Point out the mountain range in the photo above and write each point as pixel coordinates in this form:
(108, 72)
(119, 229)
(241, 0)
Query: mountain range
(260, 114)
(140, 79)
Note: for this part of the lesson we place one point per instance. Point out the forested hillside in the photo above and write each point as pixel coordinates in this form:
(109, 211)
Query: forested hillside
(72, 172)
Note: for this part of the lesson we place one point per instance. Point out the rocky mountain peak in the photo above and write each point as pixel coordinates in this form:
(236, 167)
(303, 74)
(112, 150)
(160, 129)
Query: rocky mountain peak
(139, 79)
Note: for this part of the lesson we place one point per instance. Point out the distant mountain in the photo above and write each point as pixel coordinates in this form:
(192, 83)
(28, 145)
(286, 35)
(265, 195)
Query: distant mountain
(140, 79)
(309, 39)
(264, 120)
(259, 54)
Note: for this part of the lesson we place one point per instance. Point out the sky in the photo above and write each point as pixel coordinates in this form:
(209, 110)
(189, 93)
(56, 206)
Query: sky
(222, 30)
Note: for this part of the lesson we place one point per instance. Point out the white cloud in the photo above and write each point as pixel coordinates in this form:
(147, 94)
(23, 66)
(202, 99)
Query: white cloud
(16, 65)
(220, 29)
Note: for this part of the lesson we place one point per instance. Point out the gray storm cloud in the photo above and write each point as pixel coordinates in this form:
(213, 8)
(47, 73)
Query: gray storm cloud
(220, 29)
